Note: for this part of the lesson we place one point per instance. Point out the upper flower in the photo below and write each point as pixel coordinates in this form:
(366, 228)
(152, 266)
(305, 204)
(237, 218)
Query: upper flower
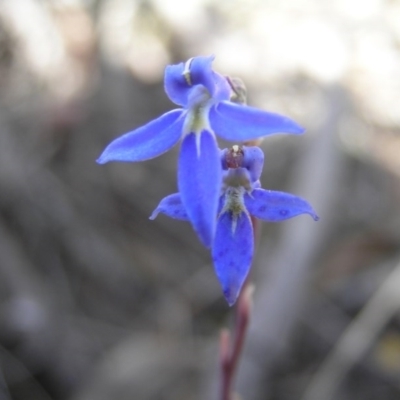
(206, 110)
(204, 97)
(241, 199)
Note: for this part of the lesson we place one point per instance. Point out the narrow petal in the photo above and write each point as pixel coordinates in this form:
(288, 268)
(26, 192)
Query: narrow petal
(222, 90)
(274, 206)
(232, 253)
(148, 141)
(179, 80)
(199, 182)
(236, 122)
(172, 207)
(253, 160)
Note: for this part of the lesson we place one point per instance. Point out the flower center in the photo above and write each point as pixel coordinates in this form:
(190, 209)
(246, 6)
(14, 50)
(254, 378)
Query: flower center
(234, 204)
(199, 104)
(234, 200)
(236, 182)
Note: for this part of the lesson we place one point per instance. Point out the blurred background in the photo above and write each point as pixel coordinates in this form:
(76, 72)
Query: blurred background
(97, 302)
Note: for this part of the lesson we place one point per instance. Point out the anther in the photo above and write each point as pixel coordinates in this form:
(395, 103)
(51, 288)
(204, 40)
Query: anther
(234, 157)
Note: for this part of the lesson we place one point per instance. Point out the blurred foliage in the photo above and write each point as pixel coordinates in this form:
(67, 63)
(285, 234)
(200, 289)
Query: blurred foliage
(98, 302)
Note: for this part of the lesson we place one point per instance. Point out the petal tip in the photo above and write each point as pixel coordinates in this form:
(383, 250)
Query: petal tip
(294, 127)
(154, 214)
(315, 217)
(102, 160)
(300, 130)
(230, 296)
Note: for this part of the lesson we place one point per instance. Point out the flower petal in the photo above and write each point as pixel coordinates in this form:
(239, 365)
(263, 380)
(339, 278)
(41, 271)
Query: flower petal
(240, 123)
(232, 253)
(172, 207)
(222, 90)
(199, 182)
(276, 206)
(253, 160)
(201, 73)
(179, 80)
(148, 141)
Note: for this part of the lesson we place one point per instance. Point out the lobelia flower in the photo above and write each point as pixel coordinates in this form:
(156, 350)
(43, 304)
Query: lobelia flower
(206, 110)
(240, 199)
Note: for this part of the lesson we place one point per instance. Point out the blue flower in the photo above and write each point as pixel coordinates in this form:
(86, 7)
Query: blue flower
(242, 198)
(206, 110)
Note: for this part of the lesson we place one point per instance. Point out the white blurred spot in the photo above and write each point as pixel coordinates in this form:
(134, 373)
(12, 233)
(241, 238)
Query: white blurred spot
(320, 49)
(131, 41)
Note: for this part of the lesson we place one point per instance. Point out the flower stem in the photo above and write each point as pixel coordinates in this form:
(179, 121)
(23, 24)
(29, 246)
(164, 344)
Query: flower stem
(230, 351)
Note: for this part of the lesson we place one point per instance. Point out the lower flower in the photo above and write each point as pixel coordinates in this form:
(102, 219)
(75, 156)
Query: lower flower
(242, 197)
